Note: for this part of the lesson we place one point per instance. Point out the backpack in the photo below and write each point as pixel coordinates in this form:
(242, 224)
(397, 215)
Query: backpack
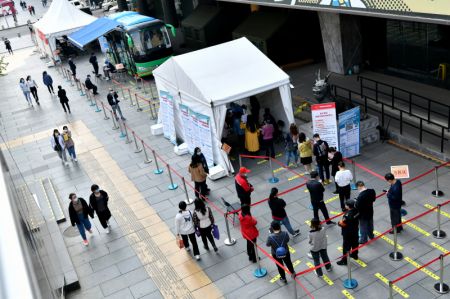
(322, 148)
(281, 251)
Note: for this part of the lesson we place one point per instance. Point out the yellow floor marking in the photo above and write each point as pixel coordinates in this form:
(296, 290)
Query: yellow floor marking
(306, 191)
(388, 240)
(291, 250)
(424, 270)
(331, 199)
(335, 213)
(308, 222)
(324, 277)
(278, 169)
(359, 262)
(277, 277)
(438, 247)
(428, 206)
(265, 161)
(416, 228)
(347, 294)
(394, 287)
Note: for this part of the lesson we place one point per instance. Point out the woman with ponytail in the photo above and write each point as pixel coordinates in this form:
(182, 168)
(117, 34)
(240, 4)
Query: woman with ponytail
(277, 206)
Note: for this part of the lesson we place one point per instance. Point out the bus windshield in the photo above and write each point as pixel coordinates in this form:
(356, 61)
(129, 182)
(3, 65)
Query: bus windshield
(146, 40)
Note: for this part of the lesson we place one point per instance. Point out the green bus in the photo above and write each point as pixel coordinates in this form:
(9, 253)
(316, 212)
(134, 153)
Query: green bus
(141, 44)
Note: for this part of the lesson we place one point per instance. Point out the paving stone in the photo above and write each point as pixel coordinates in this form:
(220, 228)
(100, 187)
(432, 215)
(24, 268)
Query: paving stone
(143, 288)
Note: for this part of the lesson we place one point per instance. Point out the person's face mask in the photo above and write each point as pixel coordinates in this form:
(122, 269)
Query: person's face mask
(65, 130)
(74, 199)
(199, 152)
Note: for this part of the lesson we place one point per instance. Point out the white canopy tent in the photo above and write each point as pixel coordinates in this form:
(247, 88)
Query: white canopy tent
(207, 80)
(62, 18)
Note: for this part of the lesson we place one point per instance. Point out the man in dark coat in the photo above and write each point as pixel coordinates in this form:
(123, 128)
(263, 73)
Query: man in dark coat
(89, 85)
(94, 62)
(98, 201)
(73, 68)
(350, 229)
(394, 195)
(316, 191)
(364, 204)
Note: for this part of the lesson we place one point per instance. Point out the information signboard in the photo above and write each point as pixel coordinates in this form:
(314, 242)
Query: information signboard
(324, 122)
(349, 126)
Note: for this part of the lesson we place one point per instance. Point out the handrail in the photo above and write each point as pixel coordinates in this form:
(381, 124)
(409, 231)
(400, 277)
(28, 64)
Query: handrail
(443, 109)
(402, 121)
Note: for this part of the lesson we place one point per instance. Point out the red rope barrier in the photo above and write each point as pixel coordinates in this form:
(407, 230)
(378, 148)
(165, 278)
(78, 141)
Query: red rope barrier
(253, 157)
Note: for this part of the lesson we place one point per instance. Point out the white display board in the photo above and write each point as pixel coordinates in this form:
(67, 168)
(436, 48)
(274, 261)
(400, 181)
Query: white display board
(167, 114)
(324, 123)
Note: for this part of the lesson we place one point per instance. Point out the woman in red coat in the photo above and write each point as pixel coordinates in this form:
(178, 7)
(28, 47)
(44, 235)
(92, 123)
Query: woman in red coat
(249, 231)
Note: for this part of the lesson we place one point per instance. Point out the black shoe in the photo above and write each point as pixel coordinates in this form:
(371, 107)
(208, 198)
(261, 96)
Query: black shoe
(403, 203)
(216, 249)
(38, 103)
(355, 257)
(331, 223)
(283, 280)
(342, 263)
(335, 192)
(206, 248)
(296, 233)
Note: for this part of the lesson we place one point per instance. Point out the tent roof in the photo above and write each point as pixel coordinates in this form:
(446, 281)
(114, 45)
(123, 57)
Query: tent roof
(92, 31)
(224, 73)
(62, 17)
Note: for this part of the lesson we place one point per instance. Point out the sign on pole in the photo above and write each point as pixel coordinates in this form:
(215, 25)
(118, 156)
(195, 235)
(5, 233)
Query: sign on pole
(349, 131)
(324, 123)
(400, 171)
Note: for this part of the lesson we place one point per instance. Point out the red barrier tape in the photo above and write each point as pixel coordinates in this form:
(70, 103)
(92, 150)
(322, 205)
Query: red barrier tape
(365, 169)
(253, 157)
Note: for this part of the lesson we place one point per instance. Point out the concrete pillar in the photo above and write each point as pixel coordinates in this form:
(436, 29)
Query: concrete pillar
(341, 40)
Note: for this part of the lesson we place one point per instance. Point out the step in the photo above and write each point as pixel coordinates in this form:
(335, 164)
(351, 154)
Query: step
(53, 200)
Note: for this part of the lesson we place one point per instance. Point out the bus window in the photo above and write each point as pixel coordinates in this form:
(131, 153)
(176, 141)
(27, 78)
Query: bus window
(138, 46)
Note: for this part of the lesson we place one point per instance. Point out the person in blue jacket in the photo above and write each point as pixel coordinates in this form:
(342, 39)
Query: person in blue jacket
(48, 81)
(394, 195)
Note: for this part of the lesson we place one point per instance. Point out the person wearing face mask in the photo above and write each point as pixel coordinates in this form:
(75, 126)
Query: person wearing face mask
(364, 204)
(58, 146)
(98, 201)
(113, 100)
(78, 213)
(243, 188)
(69, 144)
(26, 91)
(198, 152)
(33, 88)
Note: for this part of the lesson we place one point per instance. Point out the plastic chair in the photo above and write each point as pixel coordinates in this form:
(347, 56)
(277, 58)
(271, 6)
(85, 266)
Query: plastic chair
(231, 207)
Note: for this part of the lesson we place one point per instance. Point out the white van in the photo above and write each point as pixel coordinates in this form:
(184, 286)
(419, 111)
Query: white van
(107, 4)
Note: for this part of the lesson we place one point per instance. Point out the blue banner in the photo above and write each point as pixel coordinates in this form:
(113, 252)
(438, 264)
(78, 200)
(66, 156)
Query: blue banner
(349, 126)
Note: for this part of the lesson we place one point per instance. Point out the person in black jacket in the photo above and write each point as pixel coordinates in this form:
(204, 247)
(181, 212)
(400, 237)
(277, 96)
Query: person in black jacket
(73, 68)
(350, 227)
(316, 191)
(277, 207)
(78, 213)
(113, 100)
(94, 62)
(394, 195)
(98, 201)
(364, 204)
(320, 151)
(89, 85)
(198, 152)
(336, 157)
(63, 99)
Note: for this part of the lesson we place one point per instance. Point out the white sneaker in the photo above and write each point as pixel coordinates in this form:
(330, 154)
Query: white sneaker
(66, 163)
(197, 257)
(90, 231)
(187, 249)
(75, 159)
(309, 255)
(107, 230)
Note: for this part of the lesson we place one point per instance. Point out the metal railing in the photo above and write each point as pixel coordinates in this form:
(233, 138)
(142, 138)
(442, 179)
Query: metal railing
(404, 100)
(350, 95)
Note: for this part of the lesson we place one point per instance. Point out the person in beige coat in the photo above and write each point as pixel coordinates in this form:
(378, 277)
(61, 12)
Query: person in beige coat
(198, 175)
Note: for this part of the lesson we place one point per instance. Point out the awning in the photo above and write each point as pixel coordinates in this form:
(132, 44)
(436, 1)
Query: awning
(92, 31)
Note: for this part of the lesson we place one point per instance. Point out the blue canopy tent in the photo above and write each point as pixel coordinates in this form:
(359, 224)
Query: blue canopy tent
(93, 31)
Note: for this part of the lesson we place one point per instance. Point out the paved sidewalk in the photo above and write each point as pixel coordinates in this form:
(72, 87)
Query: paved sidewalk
(121, 264)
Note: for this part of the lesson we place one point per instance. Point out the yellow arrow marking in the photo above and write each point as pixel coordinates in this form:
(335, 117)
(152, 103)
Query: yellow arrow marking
(359, 262)
(428, 206)
(416, 228)
(325, 277)
(438, 247)
(424, 270)
(277, 277)
(291, 250)
(332, 199)
(278, 169)
(389, 241)
(394, 287)
(347, 294)
(334, 213)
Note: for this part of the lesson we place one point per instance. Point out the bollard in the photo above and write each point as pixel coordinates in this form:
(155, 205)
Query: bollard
(127, 140)
(396, 255)
(131, 98)
(96, 107)
(259, 271)
(138, 106)
(350, 283)
(391, 290)
(115, 127)
(138, 149)
(228, 241)
(273, 179)
(441, 287)
(157, 170)
(437, 192)
(187, 200)
(240, 161)
(104, 112)
(172, 186)
(146, 159)
(353, 183)
(439, 233)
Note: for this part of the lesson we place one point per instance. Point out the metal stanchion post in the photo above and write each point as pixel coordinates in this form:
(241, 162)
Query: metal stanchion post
(441, 287)
(78, 85)
(187, 200)
(122, 133)
(439, 233)
(259, 271)
(353, 183)
(172, 186)
(64, 73)
(151, 109)
(96, 107)
(91, 98)
(136, 82)
(131, 98)
(228, 241)
(146, 159)
(437, 192)
(82, 93)
(138, 149)
(240, 161)
(123, 95)
(127, 140)
(104, 112)
(143, 86)
(350, 283)
(138, 106)
(391, 290)
(151, 90)
(295, 287)
(115, 127)
(70, 80)
(67, 75)
(395, 255)
(157, 170)
(273, 179)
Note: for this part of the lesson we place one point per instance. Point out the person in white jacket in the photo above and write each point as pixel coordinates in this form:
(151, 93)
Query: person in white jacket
(58, 146)
(343, 179)
(203, 220)
(184, 228)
